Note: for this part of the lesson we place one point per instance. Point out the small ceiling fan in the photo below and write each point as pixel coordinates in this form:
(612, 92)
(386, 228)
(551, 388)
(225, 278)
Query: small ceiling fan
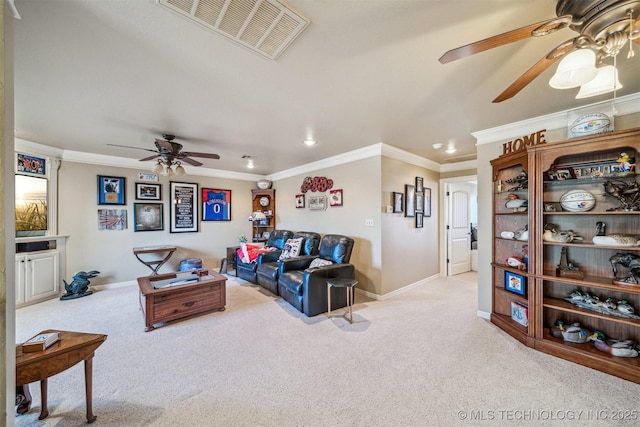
(603, 25)
(169, 152)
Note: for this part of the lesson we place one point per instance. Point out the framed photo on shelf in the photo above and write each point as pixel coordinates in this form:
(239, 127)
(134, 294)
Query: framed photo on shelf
(216, 204)
(516, 283)
(148, 217)
(146, 191)
(409, 200)
(184, 207)
(111, 190)
(299, 201)
(427, 202)
(335, 198)
(397, 201)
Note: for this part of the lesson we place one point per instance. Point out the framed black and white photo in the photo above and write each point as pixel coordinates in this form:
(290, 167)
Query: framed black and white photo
(184, 207)
(419, 184)
(146, 191)
(397, 201)
(418, 220)
(111, 190)
(409, 200)
(148, 217)
(317, 203)
(427, 202)
(419, 202)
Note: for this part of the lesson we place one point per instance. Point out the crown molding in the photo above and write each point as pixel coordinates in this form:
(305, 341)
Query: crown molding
(348, 157)
(30, 147)
(379, 149)
(627, 104)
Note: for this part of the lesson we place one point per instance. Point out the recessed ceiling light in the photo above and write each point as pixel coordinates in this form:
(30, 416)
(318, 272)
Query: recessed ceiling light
(450, 150)
(437, 146)
(309, 142)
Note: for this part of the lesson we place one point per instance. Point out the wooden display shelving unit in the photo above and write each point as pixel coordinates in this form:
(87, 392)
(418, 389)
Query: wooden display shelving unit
(258, 198)
(505, 219)
(548, 291)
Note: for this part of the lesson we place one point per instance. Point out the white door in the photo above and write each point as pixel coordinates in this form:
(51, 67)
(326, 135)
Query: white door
(459, 238)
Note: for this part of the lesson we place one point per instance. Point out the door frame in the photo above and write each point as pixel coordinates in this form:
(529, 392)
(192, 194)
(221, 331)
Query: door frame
(444, 218)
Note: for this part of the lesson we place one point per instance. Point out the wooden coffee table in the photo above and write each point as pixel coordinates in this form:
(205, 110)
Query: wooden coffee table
(70, 349)
(172, 296)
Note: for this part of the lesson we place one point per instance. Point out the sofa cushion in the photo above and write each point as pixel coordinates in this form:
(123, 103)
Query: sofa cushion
(291, 248)
(292, 281)
(319, 262)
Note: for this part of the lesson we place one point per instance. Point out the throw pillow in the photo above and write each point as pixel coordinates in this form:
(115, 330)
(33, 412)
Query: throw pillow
(319, 262)
(291, 248)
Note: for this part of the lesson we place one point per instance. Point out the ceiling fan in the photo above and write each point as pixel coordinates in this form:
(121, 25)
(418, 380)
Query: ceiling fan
(169, 152)
(603, 25)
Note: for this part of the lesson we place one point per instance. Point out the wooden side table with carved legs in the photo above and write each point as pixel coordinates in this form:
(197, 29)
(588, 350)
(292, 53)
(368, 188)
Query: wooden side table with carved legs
(70, 349)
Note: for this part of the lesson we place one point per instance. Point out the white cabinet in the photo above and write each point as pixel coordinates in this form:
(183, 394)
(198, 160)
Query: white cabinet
(37, 276)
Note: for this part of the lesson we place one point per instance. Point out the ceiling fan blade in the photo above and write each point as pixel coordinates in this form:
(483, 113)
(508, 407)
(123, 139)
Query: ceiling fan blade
(204, 155)
(190, 161)
(135, 148)
(537, 69)
(538, 29)
(150, 158)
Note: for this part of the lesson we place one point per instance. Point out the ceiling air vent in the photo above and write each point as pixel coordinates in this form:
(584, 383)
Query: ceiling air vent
(264, 26)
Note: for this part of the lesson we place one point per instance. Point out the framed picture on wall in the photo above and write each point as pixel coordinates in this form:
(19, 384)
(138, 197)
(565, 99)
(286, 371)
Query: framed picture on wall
(409, 200)
(299, 201)
(335, 198)
(184, 207)
(216, 204)
(146, 191)
(397, 201)
(419, 184)
(418, 220)
(427, 202)
(419, 202)
(111, 190)
(148, 217)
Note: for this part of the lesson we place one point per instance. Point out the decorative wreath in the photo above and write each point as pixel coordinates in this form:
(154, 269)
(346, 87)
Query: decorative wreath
(317, 183)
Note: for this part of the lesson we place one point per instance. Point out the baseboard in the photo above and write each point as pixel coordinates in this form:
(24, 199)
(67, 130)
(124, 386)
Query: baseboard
(114, 285)
(397, 291)
(484, 315)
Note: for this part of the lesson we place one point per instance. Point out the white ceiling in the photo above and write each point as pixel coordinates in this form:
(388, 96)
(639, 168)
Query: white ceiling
(90, 73)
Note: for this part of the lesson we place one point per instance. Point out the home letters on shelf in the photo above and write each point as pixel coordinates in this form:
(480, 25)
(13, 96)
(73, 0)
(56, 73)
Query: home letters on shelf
(521, 144)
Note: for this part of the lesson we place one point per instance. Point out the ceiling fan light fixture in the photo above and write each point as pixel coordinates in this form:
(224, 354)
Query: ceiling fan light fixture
(180, 170)
(575, 69)
(606, 81)
(158, 168)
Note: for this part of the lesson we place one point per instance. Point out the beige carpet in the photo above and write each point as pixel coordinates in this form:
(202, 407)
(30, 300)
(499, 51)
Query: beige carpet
(421, 358)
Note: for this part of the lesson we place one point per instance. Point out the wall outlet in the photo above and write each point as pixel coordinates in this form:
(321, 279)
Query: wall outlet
(368, 222)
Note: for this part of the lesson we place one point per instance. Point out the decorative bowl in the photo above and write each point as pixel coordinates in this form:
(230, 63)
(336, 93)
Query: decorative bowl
(264, 184)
